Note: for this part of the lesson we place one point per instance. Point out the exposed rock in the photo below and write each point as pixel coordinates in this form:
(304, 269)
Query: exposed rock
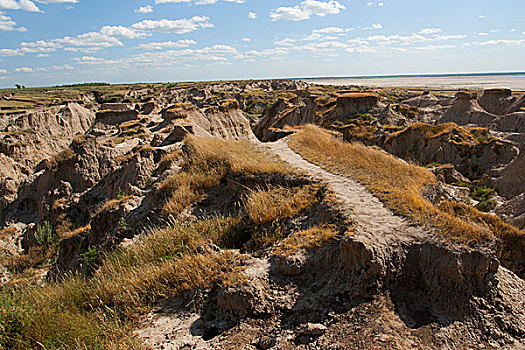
(465, 110)
(495, 101)
(514, 122)
(227, 122)
(449, 175)
(512, 181)
(514, 211)
(116, 107)
(115, 117)
(391, 117)
(351, 103)
(516, 106)
(295, 112)
(423, 101)
(448, 143)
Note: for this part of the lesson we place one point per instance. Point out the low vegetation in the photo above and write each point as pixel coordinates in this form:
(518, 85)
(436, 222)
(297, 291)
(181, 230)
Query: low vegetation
(301, 241)
(279, 203)
(207, 163)
(99, 313)
(400, 185)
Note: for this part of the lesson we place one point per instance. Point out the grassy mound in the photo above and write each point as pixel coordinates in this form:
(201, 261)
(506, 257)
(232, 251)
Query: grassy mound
(400, 186)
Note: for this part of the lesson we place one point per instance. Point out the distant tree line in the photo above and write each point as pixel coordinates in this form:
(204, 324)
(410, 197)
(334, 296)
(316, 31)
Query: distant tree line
(84, 85)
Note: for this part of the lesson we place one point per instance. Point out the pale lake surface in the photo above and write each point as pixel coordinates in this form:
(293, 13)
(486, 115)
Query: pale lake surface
(513, 82)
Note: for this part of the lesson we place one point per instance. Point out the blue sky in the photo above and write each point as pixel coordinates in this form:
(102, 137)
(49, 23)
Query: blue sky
(48, 42)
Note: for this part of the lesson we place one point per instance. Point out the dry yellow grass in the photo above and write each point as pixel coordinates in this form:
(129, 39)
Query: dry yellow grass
(209, 160)
(100, 313)
(113, 203)
(76, 232)
(398, 184)
(304, 240)
(278, 203)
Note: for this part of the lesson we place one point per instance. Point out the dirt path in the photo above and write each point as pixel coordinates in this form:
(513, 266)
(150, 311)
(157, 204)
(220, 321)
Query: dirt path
(372, 218)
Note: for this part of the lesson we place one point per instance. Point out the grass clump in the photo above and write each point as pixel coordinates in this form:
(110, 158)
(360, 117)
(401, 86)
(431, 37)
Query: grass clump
(100, 312)
(484, 195)
(398, 184)
(278, 203)
(301, 241)
(207, 163)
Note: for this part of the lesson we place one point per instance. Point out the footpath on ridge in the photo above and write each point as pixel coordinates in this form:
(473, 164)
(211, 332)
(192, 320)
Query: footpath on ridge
(372, 219)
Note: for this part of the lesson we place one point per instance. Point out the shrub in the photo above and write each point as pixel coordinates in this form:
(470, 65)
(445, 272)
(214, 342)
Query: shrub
(45, 236)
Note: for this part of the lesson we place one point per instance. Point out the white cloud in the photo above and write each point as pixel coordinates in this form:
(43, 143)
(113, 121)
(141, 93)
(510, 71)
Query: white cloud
(430, 31)
(7, 24)
(166, 45)
(252, 15)
(332, 30)
(449, 37)
(3, 71)
(307, 9)
(58, 1)
(435, 47)
(24, 70)
(374, 26)
(481, 16)
(196, 2)
(26, 5)
(121, 31)
(246, 39)
(88, 42)
(144, 9)
(217, 54)
(497, 42)
(179, 26)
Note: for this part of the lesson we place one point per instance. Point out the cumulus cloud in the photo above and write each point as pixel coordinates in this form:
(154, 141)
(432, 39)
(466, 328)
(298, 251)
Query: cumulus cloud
(3, 71)
(252, 15)
(7, 24)
(179, 26)
(307, 9)
(374, 26)
(196, 2)
(430, 31)
(24, 70)
(123, 32)
(216, 54)
(144, 9)
(59, 1)
(166, 45)
(26, 5)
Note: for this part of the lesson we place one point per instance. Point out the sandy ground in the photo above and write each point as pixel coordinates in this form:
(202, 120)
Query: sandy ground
(513, 82)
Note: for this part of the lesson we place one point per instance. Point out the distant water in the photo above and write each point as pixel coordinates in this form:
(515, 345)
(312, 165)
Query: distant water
(515, 82)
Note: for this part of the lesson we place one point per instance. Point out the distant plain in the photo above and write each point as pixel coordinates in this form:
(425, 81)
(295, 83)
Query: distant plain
(515, 82)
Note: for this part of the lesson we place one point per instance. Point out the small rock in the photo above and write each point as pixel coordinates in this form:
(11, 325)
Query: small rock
(267, 343)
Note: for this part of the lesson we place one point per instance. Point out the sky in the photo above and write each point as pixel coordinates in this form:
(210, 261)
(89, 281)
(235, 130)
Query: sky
(53, 42)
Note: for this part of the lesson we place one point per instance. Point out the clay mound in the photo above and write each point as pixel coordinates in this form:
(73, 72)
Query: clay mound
(423, 101)
(116, 107)
(111, 117)
(465, 110)
(294, 112)
(514, 122)
(38, 135)
(513, 211)
(227, 121)
(512, 182)
(450, 143)
(517, 106)
(350, 103)
(495, 101)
